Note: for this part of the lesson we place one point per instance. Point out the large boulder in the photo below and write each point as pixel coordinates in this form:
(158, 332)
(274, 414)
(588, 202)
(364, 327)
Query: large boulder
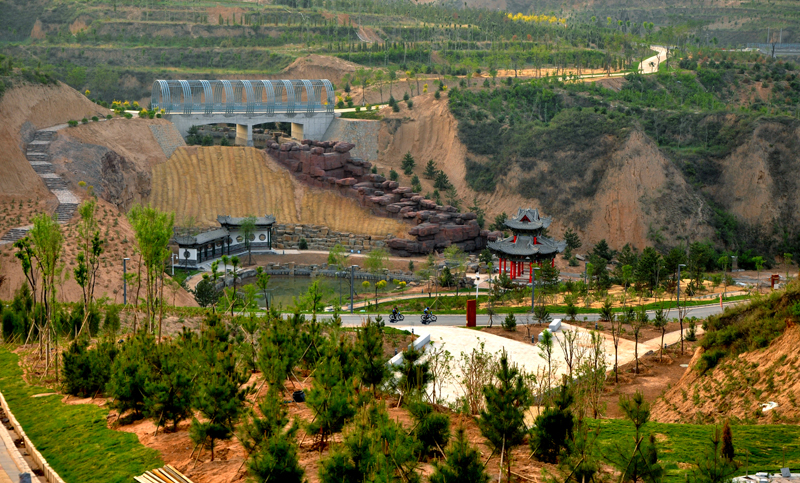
(343, 147)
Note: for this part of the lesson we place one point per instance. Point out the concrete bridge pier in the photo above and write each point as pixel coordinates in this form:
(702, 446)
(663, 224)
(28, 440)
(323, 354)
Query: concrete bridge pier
(244, 135)
(303, 126)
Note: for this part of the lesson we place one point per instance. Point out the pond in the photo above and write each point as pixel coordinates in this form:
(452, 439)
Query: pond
(283, 289)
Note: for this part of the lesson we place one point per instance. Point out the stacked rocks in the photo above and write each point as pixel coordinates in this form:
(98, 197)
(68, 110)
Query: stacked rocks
(324, 164)
(320, 237)
(327, 164)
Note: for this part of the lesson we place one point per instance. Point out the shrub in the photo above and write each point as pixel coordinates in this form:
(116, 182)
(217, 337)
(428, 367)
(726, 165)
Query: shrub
(405, 96)
(436, 95)
(85, 121)
(128, 115)
(108, 116)
(396, 108)
(393, 175)
(509, 323)
(340, 105)
(158, 115)
(410, 104)
(710, 359)
(72, 123)
(303, 245)
(95, 119)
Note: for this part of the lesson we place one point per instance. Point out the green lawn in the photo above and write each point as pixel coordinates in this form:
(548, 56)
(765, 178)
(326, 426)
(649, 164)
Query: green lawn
(685, 443)
(73, 439)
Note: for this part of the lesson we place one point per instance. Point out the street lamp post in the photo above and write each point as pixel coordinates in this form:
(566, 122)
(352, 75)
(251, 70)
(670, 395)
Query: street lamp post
(533, 288)
(173, 264)
(125, 281)
(352, 278)
(680, 312)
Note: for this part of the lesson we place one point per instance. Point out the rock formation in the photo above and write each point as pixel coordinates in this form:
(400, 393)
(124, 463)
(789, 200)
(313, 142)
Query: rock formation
(327, 164)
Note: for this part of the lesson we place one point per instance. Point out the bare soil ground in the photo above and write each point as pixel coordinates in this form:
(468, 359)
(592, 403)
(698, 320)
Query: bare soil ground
(26, 109)
(739, 387)
(120, 241)
(238, 177)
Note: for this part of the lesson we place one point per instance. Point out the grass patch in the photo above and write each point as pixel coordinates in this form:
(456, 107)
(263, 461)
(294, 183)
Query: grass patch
(761, 447)
(73, 439)
(458, 304)
(368, 115)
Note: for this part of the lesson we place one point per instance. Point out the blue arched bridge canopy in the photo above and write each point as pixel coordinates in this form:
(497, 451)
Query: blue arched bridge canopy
(248, 97)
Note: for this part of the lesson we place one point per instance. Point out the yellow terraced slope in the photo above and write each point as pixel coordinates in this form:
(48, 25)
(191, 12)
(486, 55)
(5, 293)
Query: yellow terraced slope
(204, 182)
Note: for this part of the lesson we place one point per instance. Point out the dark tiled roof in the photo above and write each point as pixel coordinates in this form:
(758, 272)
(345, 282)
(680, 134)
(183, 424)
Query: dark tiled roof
(524, 246)
(528, 219)
(202, 238)
(233, 221)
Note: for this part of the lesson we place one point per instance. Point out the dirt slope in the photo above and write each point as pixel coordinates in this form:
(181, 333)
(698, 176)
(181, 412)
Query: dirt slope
(25, 109)
(317, 67)
(83, 153)
(737, 388)
(639, 189)
(204, 182)
(120, 243)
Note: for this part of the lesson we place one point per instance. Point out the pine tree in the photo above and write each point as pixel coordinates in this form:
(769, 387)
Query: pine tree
(415, 374)
(171, 389)
(130, 374)
(463, 464)
(408, 164)
(273, 451)
(430, 170)
(432, 429)
(727, 442)
(218, 396)
(553, 427)
(370, 361)
(376, 448)
(502, 422)
(713, 466)
(331, 398)
(637, 460)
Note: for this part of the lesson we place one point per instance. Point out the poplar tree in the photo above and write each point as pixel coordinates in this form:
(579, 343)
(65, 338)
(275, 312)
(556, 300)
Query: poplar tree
(90, 247)
(153, 229)
(46, 245)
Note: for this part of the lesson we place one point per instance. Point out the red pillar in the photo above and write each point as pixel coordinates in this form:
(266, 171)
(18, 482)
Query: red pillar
(513, 271)
(553, 262)
(530, 276)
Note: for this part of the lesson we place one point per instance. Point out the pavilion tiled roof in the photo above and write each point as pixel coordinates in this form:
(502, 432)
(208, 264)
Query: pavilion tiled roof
(528, 219)
(201, 238)
(236, 221)
(524, 246)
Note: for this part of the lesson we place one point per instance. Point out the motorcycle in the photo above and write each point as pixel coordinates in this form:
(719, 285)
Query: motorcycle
(427, 319)
(394, 319)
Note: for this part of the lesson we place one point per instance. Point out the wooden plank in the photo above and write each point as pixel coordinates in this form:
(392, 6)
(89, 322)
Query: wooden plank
(179, 473)
(162, 473)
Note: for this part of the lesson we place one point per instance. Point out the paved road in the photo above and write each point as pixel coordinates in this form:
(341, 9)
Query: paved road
(356, 319)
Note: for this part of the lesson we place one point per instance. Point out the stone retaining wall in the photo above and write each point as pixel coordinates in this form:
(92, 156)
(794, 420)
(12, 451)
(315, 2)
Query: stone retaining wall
(321, 237)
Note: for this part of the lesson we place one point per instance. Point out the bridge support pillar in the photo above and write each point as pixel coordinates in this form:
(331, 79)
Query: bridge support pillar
(297, 131)
(244, 135)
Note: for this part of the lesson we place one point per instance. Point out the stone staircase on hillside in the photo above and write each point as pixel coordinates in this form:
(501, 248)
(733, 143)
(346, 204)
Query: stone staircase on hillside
(37, 153)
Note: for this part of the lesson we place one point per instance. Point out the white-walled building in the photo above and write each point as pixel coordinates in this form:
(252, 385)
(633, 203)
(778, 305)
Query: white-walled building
(226, 240)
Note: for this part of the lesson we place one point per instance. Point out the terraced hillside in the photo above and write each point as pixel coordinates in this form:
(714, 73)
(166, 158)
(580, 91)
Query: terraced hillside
(203, 182)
